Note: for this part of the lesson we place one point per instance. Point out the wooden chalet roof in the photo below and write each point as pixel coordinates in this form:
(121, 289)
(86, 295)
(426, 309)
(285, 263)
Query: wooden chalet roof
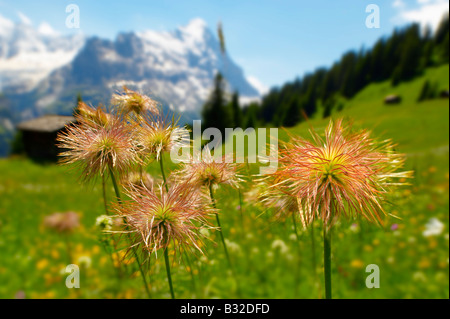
(46, 123)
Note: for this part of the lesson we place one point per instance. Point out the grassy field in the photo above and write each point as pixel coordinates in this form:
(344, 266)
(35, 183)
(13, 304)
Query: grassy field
(269, 261)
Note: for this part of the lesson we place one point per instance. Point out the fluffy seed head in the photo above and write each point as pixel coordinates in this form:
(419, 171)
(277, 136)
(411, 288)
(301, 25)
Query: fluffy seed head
(96, 148)
(342, 174)
(62, 222)
(138, 179)
(156, 135)
(203, 170)
(95, 116)
(275, 198)
(134, 102)
(158, 218)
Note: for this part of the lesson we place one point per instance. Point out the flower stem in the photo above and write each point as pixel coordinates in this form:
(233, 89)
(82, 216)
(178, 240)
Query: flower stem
(294, 221)
(211, 193)
(297, 273)
(313, 248)
(105, 201)
(116, 188)
(169, 277)
(133, 248)
(105, 242)
(240, 201)
(161, 164)
(327, 260)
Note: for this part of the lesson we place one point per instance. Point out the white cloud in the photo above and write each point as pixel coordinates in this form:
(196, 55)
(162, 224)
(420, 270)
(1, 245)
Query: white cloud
(426, 12)
(399, 4)
(23, 18)
(46, 29)
(5, 23)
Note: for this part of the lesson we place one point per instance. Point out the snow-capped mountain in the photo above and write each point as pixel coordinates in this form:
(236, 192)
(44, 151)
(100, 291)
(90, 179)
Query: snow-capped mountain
(176, 67)
(29, 55)
(47, 71)
(43, 72)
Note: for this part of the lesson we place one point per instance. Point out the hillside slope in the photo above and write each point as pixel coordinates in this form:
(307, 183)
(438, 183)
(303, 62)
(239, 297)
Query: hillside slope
(414, 126)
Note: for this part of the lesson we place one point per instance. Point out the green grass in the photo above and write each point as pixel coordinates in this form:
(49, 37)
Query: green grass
(269, 261)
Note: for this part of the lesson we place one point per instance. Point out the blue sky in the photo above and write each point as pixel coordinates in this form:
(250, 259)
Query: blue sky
(273, 40)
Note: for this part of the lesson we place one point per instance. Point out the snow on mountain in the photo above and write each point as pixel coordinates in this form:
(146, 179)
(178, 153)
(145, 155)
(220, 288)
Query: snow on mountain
(42, 72)
(27, 55)
(177, 68)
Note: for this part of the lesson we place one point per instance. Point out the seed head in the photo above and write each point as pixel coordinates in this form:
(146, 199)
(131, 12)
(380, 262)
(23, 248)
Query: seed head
(134, 102)
(96, 148)
(157, 134)
(95, 116)
(203, 170)
(62, 222)
(342, 174)
(158, 218)
(138, 179)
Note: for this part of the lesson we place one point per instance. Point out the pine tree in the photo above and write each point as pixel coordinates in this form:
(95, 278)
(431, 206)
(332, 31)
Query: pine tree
(215, 111)
(79, 100)
(293, 114)
(252, 115)
(236, 110)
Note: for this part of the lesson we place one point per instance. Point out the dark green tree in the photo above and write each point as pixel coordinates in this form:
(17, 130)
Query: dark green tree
(252, 115)
(293, 114)
(236, 110)
(79, 99)
(216, 112)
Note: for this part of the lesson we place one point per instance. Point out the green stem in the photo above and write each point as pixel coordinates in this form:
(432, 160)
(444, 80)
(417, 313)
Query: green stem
(106, 246)
(133, 248)
(105, 202)
(191, 271)
(294, 221)
(327, 260)
(297, 273)
(241, 203)
(105, 242)
(116, 188)
(313, 248)
(211, 193)
(161, 164)
(169, 277)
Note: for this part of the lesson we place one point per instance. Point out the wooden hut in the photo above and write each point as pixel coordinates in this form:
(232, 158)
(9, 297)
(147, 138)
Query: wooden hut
(39, 135)
(393, 99)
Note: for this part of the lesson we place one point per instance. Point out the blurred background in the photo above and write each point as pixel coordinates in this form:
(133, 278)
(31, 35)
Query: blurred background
(292, 64)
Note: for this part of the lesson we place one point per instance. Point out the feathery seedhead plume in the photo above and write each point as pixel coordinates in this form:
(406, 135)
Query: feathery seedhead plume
(204, 170)
(157, 134)
(342, 174)
(90, 115)
(138, 179)
(158, 218)
(134, 102)
(270, 197)
(62, 222)
(96, 149)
